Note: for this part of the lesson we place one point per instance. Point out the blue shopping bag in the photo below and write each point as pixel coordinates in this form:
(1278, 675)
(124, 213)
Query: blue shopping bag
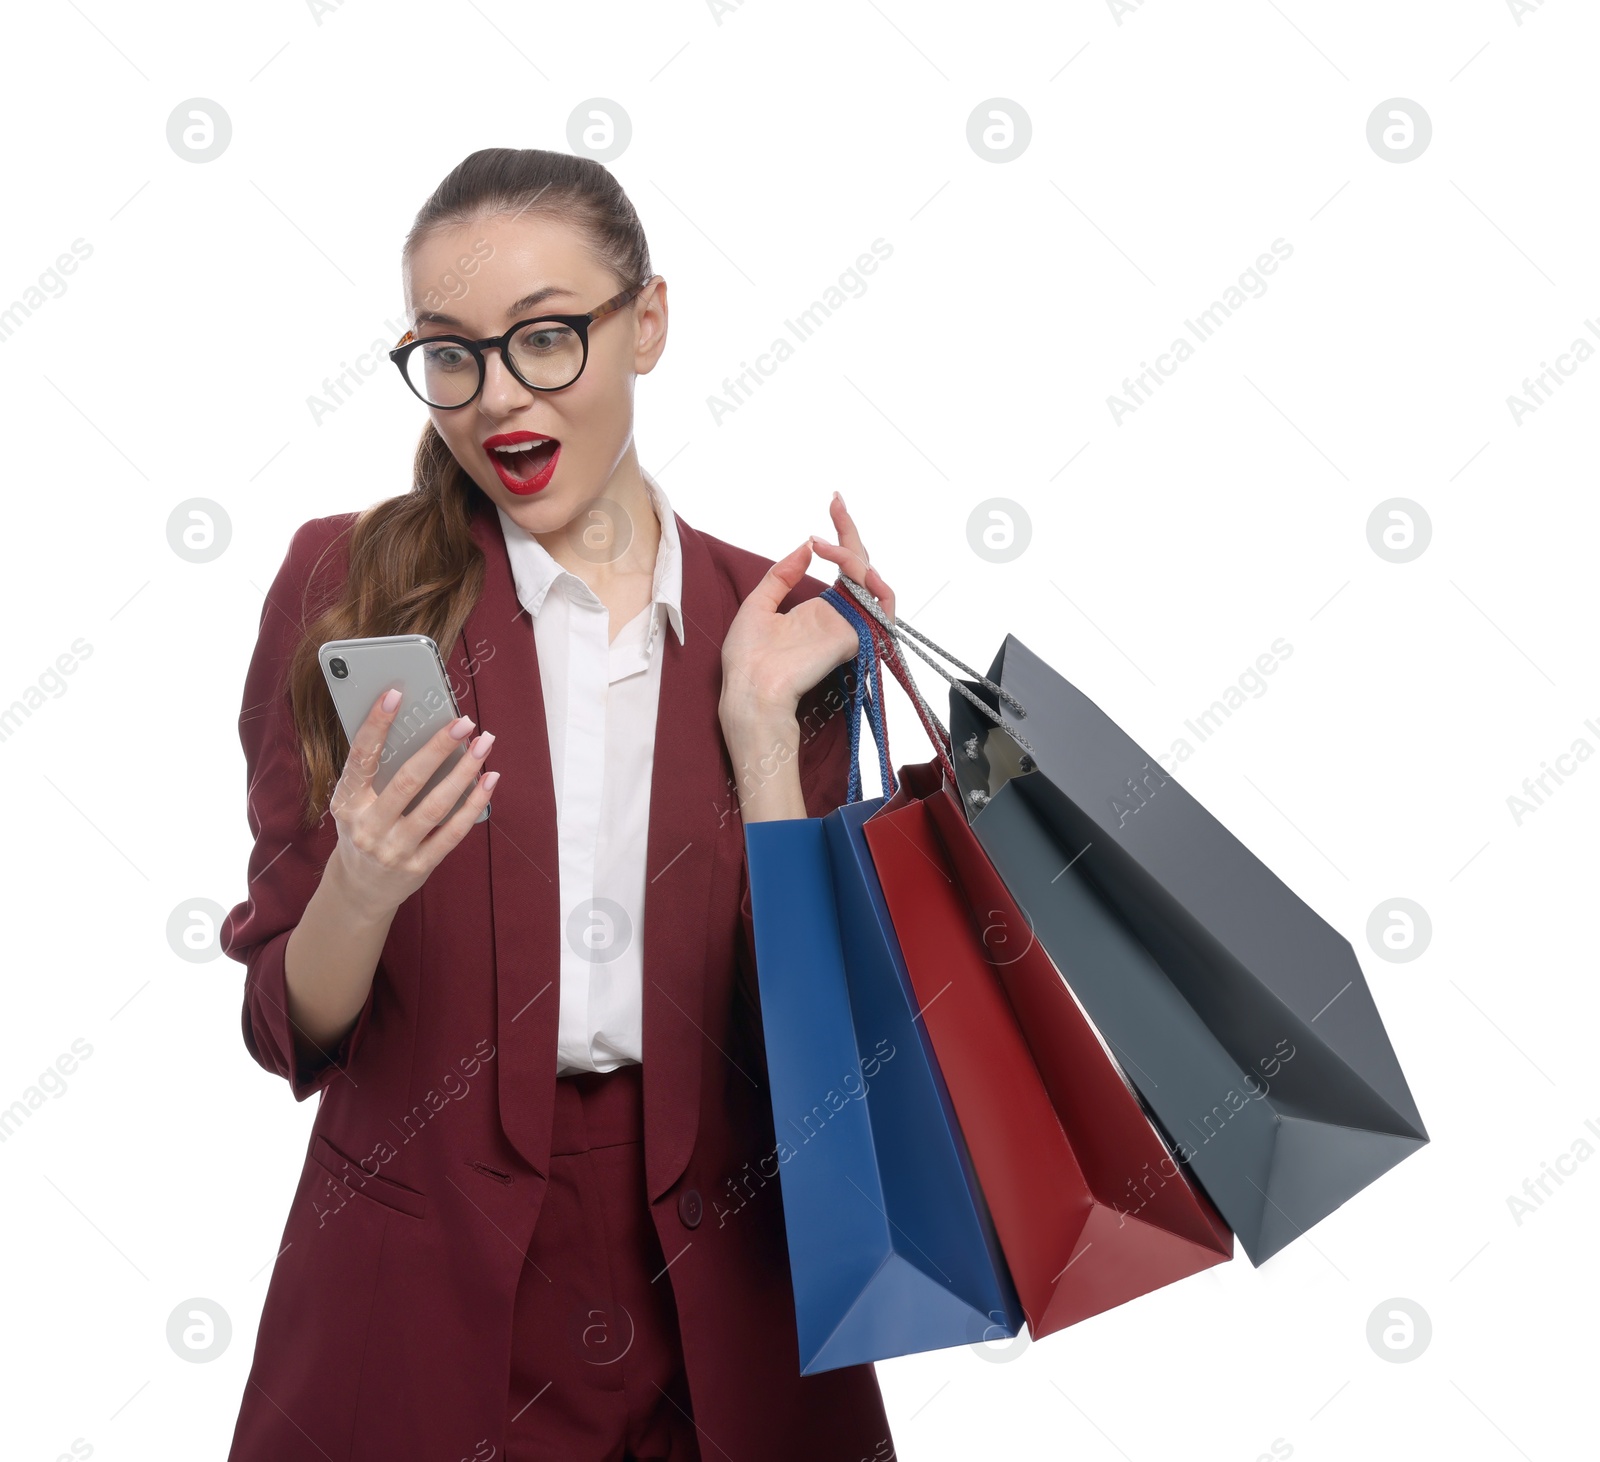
(892, 1249)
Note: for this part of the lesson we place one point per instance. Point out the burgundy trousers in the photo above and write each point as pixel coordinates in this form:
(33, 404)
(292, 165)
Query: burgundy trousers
(597, 1371)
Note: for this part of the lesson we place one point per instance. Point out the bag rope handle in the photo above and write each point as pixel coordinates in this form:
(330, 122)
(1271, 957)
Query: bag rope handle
(930, 723)
(867, 679)
(894, 630)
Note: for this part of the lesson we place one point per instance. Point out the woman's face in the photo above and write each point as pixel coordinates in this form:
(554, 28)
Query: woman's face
(478, 280)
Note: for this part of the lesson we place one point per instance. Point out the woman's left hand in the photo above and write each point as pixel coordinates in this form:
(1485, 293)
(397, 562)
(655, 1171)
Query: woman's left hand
(770, 659)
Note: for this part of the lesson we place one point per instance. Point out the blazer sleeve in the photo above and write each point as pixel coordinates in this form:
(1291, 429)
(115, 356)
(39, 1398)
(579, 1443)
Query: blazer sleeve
(287, 859)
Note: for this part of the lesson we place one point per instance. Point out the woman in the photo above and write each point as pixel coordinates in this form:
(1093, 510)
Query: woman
(538, 1215)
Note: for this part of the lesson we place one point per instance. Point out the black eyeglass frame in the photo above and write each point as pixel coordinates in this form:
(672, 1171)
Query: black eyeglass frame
(579, 324)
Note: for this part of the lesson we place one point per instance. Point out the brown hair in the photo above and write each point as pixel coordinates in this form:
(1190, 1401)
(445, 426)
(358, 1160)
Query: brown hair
(414, 566)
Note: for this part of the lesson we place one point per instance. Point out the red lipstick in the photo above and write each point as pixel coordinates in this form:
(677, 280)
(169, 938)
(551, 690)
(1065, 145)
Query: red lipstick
(524, 460)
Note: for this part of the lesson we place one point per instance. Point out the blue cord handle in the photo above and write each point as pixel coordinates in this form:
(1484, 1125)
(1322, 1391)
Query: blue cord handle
(866, 666)
(867, 672)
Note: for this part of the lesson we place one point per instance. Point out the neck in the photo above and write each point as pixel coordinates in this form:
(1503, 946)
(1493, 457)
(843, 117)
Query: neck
(615, 537)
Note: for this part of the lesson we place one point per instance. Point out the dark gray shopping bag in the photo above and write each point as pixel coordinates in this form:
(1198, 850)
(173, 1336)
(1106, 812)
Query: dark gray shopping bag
(1240, 1016)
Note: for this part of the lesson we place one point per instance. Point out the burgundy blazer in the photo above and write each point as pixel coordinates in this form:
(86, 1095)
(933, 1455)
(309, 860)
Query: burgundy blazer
(386, 1332)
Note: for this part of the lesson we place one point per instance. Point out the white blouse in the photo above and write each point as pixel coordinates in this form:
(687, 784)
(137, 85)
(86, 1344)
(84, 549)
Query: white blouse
(600, 707)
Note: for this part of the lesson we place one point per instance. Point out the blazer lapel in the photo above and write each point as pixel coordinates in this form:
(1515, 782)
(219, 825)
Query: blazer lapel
(688, 778)
(688, 785)
(522, 849)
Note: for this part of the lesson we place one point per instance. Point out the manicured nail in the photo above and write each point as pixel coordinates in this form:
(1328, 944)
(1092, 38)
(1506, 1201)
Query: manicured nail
(480, 747)
(462, 728)
(391, 700)
(838, 497)
(489, 779)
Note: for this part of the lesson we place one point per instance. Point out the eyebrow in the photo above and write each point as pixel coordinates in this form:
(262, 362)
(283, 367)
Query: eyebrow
(527, 302)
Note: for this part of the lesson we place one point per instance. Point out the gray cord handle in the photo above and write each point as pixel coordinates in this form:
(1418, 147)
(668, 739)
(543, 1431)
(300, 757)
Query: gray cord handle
(899, 628)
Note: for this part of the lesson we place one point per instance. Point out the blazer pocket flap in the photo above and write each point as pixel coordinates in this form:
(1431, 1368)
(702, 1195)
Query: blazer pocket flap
(369, 1185)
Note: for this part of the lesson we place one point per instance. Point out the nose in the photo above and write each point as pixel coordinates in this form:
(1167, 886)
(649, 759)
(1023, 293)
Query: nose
(502, 391)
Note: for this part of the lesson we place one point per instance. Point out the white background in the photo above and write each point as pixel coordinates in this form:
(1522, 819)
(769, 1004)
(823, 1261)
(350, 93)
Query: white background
(769, 148)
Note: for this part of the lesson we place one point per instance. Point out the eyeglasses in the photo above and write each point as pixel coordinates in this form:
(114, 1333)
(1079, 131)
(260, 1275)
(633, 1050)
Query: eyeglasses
(545, 354)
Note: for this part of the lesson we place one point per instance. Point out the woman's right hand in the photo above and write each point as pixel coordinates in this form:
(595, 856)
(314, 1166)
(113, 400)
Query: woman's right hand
(385, 854)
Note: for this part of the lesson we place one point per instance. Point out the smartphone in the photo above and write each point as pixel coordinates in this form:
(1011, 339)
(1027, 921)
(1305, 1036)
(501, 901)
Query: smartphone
(359, 671)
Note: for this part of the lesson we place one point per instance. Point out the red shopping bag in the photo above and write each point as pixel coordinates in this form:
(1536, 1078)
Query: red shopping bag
(1091, 1206)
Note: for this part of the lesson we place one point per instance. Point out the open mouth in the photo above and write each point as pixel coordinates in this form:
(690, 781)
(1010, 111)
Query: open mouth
(524, 462)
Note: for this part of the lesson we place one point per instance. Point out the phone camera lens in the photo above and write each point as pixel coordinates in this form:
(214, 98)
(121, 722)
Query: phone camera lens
(340, 670)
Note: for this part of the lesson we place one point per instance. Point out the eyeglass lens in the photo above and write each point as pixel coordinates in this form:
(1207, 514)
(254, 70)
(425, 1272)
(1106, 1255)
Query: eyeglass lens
(547, 354)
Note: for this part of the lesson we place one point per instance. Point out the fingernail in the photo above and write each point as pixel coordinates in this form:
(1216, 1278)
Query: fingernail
(838, 497)
(391, 700)
(462, 728)
(489, 779)
(480, 747)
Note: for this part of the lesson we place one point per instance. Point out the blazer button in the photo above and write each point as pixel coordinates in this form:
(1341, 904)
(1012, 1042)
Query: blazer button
(689, 1207)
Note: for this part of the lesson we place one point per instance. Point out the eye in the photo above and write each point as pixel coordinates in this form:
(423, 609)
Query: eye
(445, 355)
(545, 338)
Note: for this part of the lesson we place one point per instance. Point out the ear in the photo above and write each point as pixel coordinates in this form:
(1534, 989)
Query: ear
(650, 313)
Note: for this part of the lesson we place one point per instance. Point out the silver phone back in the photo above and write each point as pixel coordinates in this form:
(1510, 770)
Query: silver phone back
(370, 667)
